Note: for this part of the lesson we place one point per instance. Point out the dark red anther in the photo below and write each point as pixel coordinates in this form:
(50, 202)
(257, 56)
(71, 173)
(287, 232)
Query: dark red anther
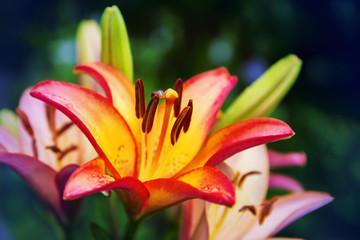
(67, 151)
(50, 115)
(65, 127)
(188, 118)
(179, 89)
(266, 209)
(243, 177)
(25, 122)
(251, 208)
(150, 114)
(179, 124)
(53, 148)
(139, 98)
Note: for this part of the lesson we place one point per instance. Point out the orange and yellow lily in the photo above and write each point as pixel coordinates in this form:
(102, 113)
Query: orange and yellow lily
(155, 156)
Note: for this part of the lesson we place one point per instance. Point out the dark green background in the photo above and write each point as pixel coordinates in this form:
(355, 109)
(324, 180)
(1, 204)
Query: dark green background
(183, 38)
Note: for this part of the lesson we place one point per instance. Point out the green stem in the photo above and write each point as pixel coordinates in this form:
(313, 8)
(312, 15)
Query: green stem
(68, 232)
(131, 230)
(114, 217)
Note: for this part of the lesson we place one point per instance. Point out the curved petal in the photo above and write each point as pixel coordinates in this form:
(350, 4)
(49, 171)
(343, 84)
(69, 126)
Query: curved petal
(92, 178)
(238, 137)
(98, 119)
(251, 190)
(286, 159)
(8, 141)
(208, 91)
(49, 127)
(286, 210)
(193, 211)
(284, 182)
(206, 183)
(39, 176)
(70, 209)
(35, 112)
(118, 89)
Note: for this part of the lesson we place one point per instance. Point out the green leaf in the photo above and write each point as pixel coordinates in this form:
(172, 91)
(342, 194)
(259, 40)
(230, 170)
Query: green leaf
(115, 47)
(99, 233)
(262, 97)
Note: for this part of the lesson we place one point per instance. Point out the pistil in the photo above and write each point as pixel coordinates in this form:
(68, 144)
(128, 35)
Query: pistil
(170, 97)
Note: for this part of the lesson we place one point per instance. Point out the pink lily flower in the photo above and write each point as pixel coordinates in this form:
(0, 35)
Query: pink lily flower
(155, 157)
(251, 217)
(45, 154)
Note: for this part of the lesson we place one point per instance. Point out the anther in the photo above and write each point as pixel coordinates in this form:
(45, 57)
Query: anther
(251, 208)
(179, 89)
(266, 209)
(179, 124)
(25, 122)
(34, 148)
(243, 177)
(50, 115)
(188, 119)
(54, 148)
(67, 151)
(150, 114)
(64, 128)
(139, 98)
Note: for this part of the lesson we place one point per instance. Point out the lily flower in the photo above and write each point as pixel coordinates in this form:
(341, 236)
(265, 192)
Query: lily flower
(155, 156)
(252, 216)
(45, 153)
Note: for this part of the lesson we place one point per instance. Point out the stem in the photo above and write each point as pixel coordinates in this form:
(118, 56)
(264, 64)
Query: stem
(68, 232)
(131, 230)
(113, 216)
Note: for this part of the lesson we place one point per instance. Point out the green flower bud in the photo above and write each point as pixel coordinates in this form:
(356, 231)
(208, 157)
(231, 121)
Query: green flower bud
(115, 47)
(260, 98)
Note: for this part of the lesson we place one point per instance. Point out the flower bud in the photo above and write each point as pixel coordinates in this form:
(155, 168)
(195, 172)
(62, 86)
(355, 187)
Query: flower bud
(260, 98)
(115, 47)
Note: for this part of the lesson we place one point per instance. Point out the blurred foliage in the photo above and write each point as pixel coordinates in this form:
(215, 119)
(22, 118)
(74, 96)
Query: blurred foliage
(181, 39)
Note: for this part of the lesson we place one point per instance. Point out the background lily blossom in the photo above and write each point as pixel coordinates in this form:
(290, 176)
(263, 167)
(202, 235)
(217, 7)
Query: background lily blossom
(251, 217)
(149, 156)
(46, 152)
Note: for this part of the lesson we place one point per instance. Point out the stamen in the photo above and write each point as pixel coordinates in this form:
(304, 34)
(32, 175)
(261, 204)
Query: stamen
(243, 177)
(34, 148)
(251, 208)
(150, 114)
(67, 151)
(188, 119)
(179, 124)
(64, 128)
(50, 114)
(265, 211)
(179, 89)
(25, 122)
(140, 98)
(54, 148)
